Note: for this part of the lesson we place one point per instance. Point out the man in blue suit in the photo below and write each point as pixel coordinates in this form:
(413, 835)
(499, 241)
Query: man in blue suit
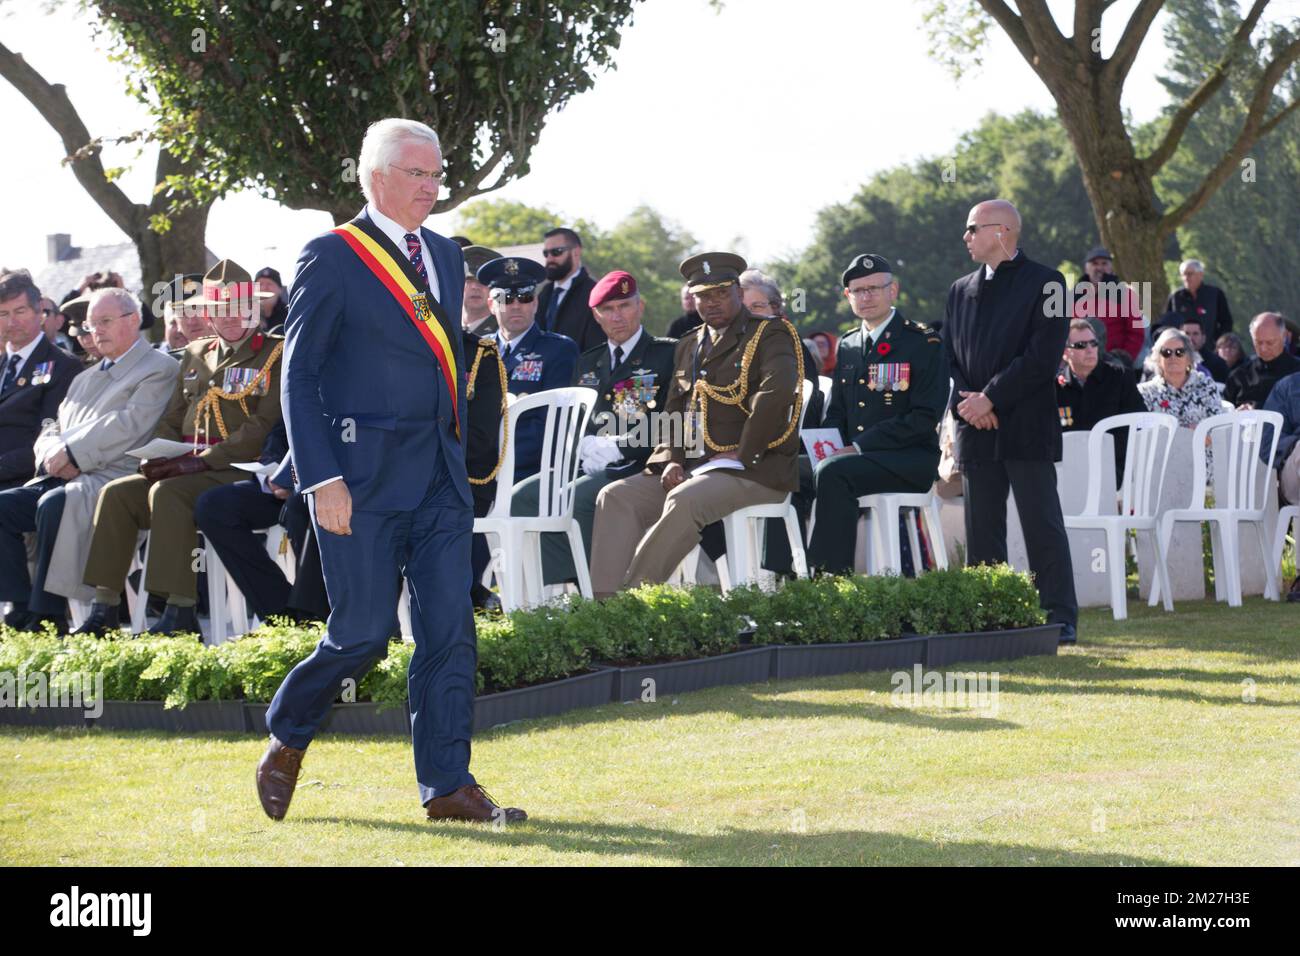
(375, 403)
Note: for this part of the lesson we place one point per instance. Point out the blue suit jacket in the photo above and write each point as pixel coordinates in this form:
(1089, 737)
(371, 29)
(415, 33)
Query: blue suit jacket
(537, 362)
(362, 392)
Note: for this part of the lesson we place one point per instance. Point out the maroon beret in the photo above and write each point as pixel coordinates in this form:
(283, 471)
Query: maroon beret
(614, 285)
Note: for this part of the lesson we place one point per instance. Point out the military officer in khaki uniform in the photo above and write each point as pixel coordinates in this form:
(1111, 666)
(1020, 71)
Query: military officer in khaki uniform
(225, 403)
(736, 389)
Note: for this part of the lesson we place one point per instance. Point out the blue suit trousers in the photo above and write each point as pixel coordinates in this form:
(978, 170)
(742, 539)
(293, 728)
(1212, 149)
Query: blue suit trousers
(431, 547)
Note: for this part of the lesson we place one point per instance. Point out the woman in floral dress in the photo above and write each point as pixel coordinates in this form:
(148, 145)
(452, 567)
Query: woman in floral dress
(1177, 388)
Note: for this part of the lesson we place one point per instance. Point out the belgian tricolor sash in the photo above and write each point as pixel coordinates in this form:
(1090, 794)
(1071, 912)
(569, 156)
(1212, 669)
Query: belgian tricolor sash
(421, 308)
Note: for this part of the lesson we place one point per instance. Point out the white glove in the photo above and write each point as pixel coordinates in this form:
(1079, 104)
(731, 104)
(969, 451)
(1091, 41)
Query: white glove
(598, 452)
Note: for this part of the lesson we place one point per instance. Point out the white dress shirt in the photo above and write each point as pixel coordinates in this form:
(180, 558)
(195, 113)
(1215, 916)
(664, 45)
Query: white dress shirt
(627, 347)
(396, 234)
(879, 329)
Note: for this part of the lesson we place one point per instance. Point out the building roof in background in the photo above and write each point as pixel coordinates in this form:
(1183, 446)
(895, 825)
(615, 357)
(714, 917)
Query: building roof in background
(70, 264)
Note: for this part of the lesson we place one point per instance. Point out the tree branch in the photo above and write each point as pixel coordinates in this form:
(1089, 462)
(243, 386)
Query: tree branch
(1042, 29)
(1130, 41)
(1087, 18)
(51, 101)
(1251, 130)
(1012, 26)
(1182, 117)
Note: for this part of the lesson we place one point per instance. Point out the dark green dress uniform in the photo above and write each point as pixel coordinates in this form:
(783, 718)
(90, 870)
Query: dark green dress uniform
(886, 398)
(638, 386)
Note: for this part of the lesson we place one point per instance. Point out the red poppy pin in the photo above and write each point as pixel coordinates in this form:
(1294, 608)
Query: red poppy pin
(1164, 403)
(883, 348)
(1060, 380)
(1200, 310)
(257, 341)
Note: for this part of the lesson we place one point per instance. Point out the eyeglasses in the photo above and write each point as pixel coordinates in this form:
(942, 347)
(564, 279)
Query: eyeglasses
(507, 296)
(1083, 344)
(438, 176)
(1173, 353)
(556, 252)
(103, 323)
(864, 291)
(47, 312)
(973, 228)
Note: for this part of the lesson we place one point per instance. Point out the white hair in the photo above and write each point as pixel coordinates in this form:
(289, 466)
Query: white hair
(125, 300)
(754, 279)
(1194, 264)
(1165, 336)
(382, 141)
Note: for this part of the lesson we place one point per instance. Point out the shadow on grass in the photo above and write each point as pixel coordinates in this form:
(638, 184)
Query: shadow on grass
(738, 846)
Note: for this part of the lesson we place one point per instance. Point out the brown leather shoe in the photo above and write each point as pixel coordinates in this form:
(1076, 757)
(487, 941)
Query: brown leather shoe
(277, 775)
(472, 802)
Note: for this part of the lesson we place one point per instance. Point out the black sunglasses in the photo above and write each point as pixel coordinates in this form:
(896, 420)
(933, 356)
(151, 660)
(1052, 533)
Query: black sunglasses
(1173, 353)
(506, 297)
(554, 253)
(1083, 344)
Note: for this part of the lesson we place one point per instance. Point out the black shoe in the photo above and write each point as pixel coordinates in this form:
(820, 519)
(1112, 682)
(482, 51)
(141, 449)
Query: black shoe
(19, 619)
(484, 600)
(177, 620)
(40, 620)
(1293, 596)
(101, 621)
(1068, 635)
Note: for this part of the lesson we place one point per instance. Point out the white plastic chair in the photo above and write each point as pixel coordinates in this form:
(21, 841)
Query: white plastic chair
(824, 383)
(885, 542)
(1150, 438)
(1239, 497)
(744, 535)
(517, 559)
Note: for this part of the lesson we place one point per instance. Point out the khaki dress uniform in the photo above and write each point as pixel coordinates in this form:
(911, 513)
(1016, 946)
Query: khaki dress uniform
(225, 403)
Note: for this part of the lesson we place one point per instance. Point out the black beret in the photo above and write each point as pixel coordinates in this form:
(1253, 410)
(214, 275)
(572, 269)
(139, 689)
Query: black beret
(867, 264)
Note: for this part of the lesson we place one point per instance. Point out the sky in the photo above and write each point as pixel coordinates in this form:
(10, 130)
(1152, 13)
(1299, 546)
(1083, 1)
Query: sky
(738, 125)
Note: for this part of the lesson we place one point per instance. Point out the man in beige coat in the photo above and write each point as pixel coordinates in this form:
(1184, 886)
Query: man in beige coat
(110, 407)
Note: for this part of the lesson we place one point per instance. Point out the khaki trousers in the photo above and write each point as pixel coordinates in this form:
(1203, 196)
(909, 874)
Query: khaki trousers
(130, 505)
(642, 533)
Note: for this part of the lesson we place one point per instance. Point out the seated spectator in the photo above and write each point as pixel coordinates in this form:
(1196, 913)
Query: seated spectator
(1250, 383)
(476, 311)
(230, 517)
(1176, 388)
(535, 360)
(1102, 296)
(1229, 348)
(183, 324)
(54, 323)
(1200, 302)
(90, 355)
(689, 320)
(107, 411)
(738, 380)
(1090, 389)
(223, 404)
(33, 381)
(827, 345)
(1208, 361)
(1285, 400)
(631, 373)
(275, 307)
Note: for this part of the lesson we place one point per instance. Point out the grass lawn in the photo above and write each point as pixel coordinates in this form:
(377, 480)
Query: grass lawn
(1139, 747)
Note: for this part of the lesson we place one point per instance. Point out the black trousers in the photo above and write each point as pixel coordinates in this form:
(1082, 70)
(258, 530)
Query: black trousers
(308, 593)
(985, 485)
(37, 508)
(229, 516)
(840, 482)
(480, 554)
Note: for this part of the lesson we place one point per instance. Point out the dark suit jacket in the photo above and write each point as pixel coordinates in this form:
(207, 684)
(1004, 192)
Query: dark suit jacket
(26, 406)
(574, 317)
(538, 361)
(1010, 350)
(363, 394)
(483, 442)
(651, 362)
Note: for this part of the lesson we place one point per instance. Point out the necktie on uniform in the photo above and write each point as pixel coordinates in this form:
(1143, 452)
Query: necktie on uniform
(416, 257)
(618, 356)
(11, 373)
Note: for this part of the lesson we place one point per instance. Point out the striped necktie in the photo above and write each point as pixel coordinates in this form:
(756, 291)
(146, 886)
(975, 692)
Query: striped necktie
(416, 257)
(11, 373)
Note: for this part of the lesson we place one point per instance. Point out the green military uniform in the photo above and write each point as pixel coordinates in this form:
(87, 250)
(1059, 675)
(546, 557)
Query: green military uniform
(887, 397)
(626, 396)
(228, 398)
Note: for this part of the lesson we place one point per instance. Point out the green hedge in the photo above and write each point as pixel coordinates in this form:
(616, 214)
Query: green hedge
(648, 625)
